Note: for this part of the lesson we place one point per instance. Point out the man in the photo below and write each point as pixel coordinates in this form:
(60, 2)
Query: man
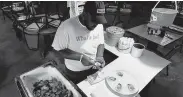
(80, 40)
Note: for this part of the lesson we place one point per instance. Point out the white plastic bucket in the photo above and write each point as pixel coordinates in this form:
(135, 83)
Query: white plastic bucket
(113, 35)
(163, 16)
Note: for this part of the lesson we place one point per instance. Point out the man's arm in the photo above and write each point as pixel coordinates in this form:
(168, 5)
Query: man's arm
(99, 56)
(70, 54)
(100, 50)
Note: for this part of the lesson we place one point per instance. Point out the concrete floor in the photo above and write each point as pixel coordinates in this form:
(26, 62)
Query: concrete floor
(16, 58)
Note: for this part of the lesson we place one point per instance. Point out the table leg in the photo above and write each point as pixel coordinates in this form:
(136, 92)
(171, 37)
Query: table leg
(172, 51)
(181, 46)
(3, 15)
(167, 70)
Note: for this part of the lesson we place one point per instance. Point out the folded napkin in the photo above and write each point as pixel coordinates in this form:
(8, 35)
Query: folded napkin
(96, 77)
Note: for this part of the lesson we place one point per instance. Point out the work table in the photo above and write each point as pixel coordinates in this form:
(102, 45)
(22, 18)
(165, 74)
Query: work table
(143, 69)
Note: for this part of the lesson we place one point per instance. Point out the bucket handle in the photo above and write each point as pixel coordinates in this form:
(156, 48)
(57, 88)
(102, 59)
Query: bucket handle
(159, 2)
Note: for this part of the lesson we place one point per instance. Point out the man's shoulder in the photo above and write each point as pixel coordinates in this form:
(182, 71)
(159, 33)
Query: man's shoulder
(70, 21)
(67, 24)
(100, 26)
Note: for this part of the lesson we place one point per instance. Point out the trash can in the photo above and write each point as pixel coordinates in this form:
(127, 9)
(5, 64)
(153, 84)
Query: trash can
(32, 40)
(32, 36)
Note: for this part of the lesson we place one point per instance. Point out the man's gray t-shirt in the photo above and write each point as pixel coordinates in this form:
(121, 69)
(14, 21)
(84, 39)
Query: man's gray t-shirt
(73, 35)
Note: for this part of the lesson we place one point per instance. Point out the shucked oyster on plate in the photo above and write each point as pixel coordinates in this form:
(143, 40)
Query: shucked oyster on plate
(120, 74)
(131, 87)
(122, 83)
(118, 87)
(112, 78)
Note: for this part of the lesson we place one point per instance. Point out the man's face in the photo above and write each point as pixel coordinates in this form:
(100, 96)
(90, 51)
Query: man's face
(89, 22)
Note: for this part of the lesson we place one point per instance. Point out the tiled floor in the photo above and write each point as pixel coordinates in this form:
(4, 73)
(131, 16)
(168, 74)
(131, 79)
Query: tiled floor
(15, 58)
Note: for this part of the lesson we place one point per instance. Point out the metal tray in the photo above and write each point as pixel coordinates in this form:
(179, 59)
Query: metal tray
(46, 71)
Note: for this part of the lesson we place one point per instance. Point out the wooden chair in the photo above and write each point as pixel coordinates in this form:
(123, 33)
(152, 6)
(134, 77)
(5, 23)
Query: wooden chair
(55, 19)
(30, 28)
(119, 9)
(6, 8)
(14, 7)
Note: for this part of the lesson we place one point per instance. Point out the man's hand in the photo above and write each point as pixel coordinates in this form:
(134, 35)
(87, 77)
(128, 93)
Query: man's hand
(86, 61)
(101, 61)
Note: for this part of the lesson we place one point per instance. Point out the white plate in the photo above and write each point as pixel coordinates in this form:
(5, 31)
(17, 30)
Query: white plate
(124, 80)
